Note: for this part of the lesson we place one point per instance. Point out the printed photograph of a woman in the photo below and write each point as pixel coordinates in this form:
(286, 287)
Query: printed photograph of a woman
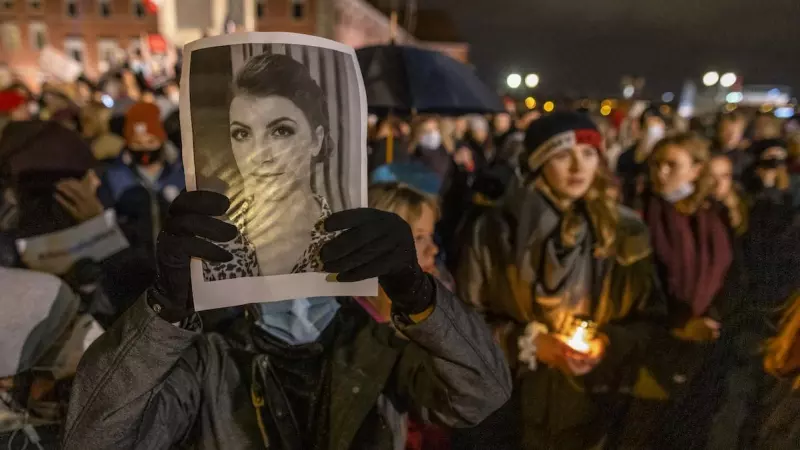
(286, 110)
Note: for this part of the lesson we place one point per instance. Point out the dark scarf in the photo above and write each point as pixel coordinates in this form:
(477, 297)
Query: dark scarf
(694, 252)
(304, 372)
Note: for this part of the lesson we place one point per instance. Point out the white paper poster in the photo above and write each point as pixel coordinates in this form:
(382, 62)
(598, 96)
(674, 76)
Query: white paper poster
(55, 253)
(59, 65)
(277, 122)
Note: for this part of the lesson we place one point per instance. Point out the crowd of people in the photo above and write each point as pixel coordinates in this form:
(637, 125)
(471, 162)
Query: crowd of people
(548, 281)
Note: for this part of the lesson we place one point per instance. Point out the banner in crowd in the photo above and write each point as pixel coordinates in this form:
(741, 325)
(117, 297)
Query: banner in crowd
(58, 65)
(55, 253)
(281, 130)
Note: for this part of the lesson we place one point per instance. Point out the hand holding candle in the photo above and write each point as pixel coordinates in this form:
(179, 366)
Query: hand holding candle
(589, 348)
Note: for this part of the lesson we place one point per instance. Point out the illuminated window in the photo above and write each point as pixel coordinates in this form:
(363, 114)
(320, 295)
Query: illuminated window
(261, 8)
(9, 37)
(105, 8)
(138, 9)
(37, 35)
(75, 48)
(73, 10)
(298, 9)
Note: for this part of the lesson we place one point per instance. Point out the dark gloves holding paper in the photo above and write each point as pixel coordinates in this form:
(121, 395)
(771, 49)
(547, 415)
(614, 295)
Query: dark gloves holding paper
(372, 244)
(187, 231)
(378, 244)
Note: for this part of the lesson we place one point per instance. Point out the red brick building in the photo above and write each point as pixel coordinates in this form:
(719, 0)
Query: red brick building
(91, 31)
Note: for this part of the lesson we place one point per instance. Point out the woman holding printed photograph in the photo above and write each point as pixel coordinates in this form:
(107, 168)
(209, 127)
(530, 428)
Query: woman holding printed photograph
(306, 373)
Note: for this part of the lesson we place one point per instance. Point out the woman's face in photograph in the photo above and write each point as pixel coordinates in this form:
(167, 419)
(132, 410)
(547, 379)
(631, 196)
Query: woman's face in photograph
(273, 144)
(570, 173)
(673, 167)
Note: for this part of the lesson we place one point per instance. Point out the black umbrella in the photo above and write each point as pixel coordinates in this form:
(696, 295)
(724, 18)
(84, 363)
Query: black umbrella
(404, 79)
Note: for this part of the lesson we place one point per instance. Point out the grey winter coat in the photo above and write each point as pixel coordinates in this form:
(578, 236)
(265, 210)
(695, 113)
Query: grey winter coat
(148, 384)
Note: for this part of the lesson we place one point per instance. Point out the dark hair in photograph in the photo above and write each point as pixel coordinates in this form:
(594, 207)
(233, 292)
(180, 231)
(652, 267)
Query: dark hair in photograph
(275, 74)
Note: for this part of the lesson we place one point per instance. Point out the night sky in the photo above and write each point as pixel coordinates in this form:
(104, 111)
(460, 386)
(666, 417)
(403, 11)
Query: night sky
(585, 46)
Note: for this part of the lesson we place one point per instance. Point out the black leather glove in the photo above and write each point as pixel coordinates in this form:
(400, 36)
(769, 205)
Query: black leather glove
(189, 227)
(378, 244)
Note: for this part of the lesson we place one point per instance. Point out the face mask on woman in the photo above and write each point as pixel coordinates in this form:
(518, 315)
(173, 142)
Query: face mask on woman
(296, 322)
(146, 157)
(682, 192)
(431, 140)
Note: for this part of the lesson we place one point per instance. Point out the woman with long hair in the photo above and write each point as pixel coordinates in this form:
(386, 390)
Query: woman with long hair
(555, 252)
(691, 240)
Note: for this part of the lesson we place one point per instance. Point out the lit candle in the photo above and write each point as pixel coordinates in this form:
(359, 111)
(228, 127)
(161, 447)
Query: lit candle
(579, 340)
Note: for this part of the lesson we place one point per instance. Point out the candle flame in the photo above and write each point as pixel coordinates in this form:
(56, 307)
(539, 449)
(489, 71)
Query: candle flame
(578, 341)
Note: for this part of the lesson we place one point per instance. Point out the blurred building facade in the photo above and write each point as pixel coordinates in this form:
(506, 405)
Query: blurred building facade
(93, 32)
(96, 32)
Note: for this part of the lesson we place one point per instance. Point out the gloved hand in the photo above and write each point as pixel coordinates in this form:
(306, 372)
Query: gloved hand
(378, 244)
(186, 234)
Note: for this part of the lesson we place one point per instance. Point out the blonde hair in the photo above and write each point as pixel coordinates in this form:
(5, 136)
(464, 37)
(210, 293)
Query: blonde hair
(777, 349)
(401, 199)
(601, 209)
(698, 149)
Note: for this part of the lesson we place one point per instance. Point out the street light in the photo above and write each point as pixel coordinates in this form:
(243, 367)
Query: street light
(530, 102)
(531, 80)
(549, 106)
(728, 80)
(628, 91)
(710, 78)
(514, 80)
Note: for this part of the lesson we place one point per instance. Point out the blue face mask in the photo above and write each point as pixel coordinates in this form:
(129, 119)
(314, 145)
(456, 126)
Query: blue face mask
(682, 192)
(431, 140)
(296, 322)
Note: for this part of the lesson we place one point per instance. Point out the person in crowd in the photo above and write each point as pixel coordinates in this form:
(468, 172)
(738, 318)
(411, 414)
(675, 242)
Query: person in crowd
(753, 399)
(691, 240)
(780, 427)
(556, 251)
(502, 128)
(729, 140)
(769, 174)
(387, 139)
(95, 128)
(428, 145)
(727, 193)
(48, 171)
(140, 185)
(766, 126)
(420, 211)
(478, 141)
(632, 163)
(13, 107)
(167, 97)
(333, 378)
(447, 126)
(43, 335)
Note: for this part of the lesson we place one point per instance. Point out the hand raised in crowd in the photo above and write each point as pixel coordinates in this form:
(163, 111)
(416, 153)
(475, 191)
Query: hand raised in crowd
(79, 197)
(188, 231)
(378, 244)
